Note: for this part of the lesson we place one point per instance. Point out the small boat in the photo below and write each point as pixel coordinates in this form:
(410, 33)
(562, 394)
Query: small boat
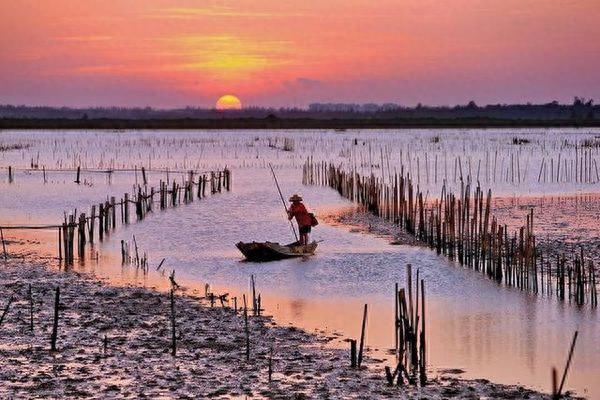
(271, 251)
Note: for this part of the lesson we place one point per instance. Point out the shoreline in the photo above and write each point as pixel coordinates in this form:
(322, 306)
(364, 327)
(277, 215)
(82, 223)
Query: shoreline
(359, 221)
(248, 123)
(134, 361)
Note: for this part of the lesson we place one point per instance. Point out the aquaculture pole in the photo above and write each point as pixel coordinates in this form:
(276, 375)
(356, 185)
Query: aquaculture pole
(173, 332)
(283, 201)
(362, 338)
(3, 245)
(55, 323)
(6, 308)
(246, 329)
(30, 295)
(564, 376)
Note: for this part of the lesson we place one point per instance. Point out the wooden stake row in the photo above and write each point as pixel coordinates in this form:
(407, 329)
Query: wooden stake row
(462, 228)
(410, 339)
(84, 227)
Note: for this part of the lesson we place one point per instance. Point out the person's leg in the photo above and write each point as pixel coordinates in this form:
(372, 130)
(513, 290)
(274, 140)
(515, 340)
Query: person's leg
(302, 231)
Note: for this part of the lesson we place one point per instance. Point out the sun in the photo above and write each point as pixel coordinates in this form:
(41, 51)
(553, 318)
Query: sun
(228, 102)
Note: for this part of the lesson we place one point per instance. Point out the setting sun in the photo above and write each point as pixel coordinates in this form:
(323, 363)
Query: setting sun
(228, 102)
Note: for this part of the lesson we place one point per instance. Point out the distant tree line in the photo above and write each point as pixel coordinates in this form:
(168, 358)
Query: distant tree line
(581, 111)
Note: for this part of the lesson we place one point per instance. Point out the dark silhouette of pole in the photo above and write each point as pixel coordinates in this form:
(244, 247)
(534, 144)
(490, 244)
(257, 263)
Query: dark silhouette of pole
(3, 245)
(564, 376)
(362, 337)
(283, 201)
(55, 323)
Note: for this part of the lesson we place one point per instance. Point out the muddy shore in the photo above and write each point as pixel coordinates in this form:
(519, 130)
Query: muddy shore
(114, 342)
(364, 222)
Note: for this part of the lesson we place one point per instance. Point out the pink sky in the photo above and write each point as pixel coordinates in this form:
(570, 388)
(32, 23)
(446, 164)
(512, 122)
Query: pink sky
(173, 53)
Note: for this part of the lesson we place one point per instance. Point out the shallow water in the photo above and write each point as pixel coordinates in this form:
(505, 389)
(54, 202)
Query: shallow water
(491, 331)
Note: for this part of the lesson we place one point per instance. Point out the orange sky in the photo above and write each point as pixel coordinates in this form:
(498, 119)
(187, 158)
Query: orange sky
(173, 53)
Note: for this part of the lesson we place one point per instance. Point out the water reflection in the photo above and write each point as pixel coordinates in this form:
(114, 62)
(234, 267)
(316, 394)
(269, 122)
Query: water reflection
(491, 331)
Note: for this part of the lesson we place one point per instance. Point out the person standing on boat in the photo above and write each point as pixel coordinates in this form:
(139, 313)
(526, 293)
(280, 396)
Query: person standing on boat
(303, 218)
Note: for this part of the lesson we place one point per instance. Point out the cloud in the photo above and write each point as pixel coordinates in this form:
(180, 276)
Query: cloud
(110, 69)
(229, 56)
(207, 57)
(308, 83)
(213, 11)
(83, 39)
(304, 86)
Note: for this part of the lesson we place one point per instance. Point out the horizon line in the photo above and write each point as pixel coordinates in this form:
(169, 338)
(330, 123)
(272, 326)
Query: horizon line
(473, 104)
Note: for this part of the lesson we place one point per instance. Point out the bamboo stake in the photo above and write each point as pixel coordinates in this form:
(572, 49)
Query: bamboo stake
(30, 296)
(362, 337)
(54, 335)
(173, 327)
(6, 308)
(3, 245)
(352, 353)
(246, 329)
(568, 364)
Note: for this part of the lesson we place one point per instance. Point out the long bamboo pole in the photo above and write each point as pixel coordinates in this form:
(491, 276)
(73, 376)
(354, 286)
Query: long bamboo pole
(283, 201)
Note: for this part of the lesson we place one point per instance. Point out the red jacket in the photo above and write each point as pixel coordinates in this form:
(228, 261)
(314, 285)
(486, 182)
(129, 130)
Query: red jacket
(298, 211)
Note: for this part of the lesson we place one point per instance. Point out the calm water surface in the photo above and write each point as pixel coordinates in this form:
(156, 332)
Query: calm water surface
(491, 331)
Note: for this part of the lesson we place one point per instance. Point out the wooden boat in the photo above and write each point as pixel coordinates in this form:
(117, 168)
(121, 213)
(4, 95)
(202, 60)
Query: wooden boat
(271, 251)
